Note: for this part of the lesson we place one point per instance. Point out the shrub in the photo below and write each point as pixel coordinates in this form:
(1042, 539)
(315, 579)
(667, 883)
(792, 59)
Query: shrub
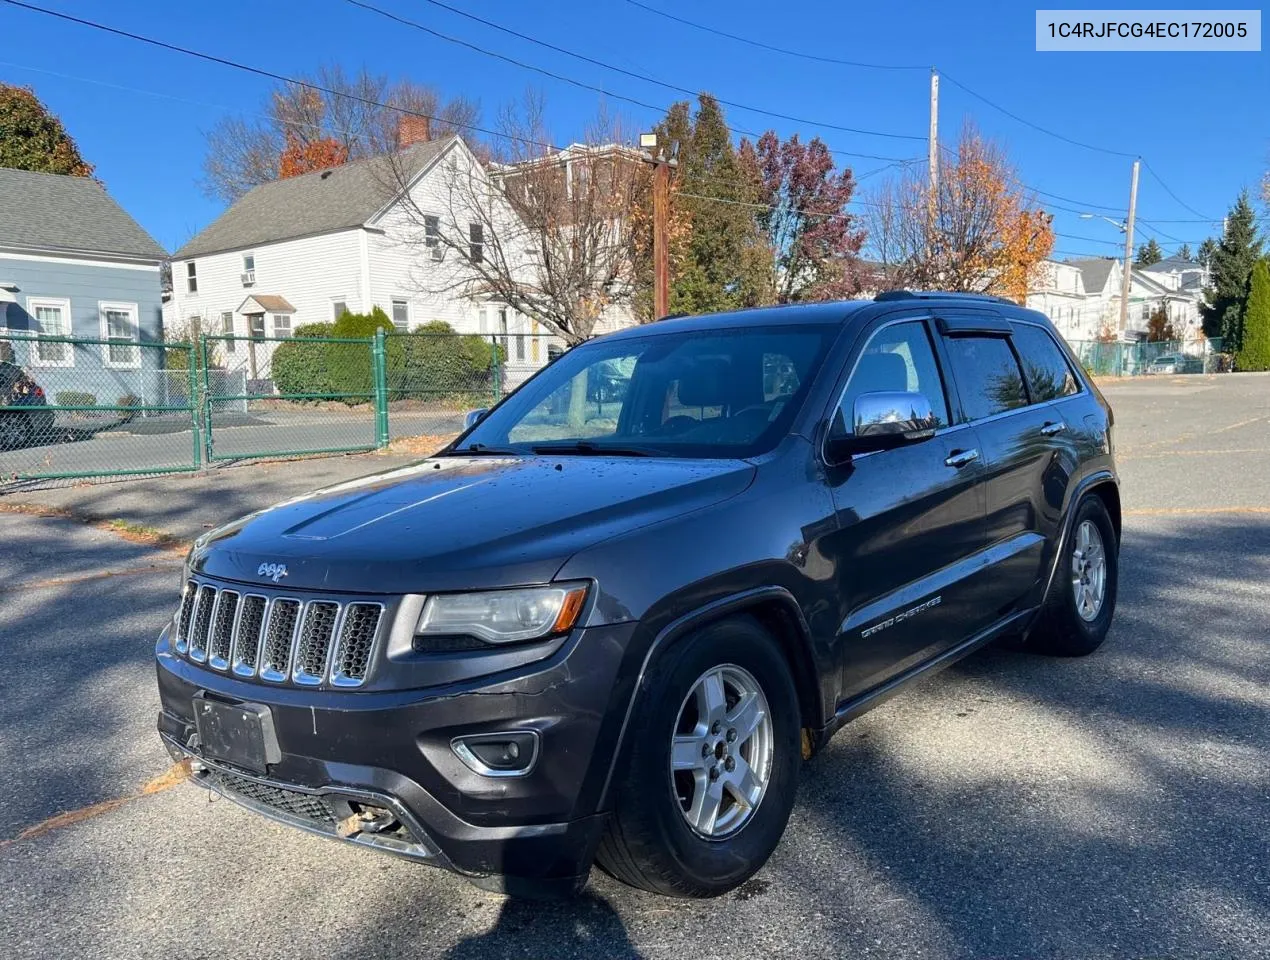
(350, 363)
(299, 367)
(1255, 352)
(129, 401)
(75, 398)
(438, 361)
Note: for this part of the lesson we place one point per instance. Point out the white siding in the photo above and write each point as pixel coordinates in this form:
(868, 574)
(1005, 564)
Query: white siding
(309, 272)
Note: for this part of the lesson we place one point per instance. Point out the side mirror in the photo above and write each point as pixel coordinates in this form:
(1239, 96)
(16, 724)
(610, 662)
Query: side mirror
(473, 417)
(884, 420)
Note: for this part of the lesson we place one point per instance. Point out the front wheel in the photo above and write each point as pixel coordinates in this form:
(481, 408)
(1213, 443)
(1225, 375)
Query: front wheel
(1082, 600)
(713, 765)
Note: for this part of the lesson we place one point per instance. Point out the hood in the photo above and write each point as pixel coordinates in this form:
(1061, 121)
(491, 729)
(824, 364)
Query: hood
(460, 523)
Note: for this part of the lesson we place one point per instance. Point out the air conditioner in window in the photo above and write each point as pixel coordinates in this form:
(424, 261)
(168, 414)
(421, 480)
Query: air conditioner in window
(249, 278)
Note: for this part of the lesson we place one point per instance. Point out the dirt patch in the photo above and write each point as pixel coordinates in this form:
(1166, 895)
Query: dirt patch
(132, 532)
(421, 446)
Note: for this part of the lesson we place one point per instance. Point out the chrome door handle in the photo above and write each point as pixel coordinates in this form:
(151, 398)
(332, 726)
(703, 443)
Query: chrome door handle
(959, 458)
(1050, 429)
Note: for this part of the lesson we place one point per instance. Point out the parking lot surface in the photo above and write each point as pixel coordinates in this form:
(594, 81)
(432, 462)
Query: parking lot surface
(1013, 806)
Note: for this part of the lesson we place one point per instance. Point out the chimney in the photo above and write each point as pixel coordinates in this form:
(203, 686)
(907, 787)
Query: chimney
(413, 129)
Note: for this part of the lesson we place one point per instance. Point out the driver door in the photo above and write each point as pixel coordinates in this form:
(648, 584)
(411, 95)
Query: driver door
(908, 519)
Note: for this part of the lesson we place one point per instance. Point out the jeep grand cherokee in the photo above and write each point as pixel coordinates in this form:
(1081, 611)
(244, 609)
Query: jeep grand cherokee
(609, 620)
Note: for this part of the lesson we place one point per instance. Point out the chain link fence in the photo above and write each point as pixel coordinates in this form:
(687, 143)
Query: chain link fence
(1116, 359)
(73, 407)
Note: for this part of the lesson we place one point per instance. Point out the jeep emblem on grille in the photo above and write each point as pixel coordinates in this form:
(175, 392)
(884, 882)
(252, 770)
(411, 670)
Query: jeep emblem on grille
(274, 571)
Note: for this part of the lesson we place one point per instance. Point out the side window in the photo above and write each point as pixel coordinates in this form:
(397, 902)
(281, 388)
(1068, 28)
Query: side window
(987, 375)
(1048, 374)
(896, 358)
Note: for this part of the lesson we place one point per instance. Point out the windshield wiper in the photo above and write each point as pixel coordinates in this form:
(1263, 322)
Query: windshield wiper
(587, 448)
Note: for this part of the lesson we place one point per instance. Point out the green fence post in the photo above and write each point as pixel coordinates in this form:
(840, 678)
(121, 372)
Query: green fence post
(380, 366)
(191, 366)
(496, 368)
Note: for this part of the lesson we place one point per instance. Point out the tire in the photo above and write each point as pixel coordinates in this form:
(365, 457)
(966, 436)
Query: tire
(15, 431)
(648, 841)
(1062, 630)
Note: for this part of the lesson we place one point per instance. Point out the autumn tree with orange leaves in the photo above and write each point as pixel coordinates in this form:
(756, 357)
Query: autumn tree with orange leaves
(305, 156)
(983, 232)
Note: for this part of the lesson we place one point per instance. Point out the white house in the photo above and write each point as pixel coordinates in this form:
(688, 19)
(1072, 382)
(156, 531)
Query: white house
(308, 248)
(1082, 298)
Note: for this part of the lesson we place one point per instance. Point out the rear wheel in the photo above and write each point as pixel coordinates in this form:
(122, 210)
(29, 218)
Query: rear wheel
(713, 766)
(1082, 600)
(15, 431)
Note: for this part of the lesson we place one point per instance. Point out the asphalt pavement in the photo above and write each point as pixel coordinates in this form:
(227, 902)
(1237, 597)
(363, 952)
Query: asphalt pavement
(1014, 806)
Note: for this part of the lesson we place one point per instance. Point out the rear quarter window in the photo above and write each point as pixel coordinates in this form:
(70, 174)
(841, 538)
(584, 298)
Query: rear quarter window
(1049, 376)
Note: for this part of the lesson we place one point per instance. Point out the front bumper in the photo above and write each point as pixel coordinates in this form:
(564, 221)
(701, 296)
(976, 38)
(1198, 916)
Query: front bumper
(342, 750)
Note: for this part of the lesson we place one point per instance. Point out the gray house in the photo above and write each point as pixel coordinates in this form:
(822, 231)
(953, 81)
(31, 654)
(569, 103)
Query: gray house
(74, 264)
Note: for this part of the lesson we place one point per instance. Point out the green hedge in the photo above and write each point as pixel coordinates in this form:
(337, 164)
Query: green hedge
(433, 361)
(74, 398)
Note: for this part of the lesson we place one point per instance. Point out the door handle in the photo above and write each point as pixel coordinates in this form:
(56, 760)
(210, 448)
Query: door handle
(959, 458)
(1053, 427)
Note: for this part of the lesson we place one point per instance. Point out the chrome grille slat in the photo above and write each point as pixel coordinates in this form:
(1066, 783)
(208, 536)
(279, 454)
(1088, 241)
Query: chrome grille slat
(203, 609)
(251, 619)
(185, 616)
(323, 641)
(351, 659)
(279, 638)
(314, 644)
(220, 643)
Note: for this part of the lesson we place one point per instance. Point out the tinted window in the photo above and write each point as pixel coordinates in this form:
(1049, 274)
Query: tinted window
(1048, 374)
(897, 358)
(987, 375)
(723, 393)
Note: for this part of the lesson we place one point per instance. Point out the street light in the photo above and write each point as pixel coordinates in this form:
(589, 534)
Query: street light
(1098, 216)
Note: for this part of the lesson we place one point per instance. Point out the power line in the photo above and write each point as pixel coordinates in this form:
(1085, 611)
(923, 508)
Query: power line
(768, 46)
(1071, 236)
(1169, 191)
(405, 21)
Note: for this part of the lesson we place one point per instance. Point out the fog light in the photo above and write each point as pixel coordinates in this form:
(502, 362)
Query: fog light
(512, 753)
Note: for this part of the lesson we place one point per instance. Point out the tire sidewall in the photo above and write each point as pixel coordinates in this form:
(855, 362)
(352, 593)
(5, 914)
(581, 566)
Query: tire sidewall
(717, 865)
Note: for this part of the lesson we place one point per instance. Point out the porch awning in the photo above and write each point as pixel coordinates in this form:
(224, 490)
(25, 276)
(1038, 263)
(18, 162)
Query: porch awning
(266, 303)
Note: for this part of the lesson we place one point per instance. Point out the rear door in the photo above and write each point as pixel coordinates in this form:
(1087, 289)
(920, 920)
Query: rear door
(907, 520)
(1024, 442)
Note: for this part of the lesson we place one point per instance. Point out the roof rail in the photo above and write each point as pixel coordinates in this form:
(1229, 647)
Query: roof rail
(940, 295)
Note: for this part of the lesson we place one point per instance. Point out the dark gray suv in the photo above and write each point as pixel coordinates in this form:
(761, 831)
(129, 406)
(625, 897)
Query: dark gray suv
(610, 619)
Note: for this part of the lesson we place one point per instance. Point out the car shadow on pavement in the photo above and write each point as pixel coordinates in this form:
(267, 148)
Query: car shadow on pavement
(587, 927)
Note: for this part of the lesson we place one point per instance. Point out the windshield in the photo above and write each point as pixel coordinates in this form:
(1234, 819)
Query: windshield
(722, 393)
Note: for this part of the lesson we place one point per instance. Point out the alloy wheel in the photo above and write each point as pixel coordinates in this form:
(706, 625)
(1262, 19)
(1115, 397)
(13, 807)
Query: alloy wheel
(1089, 571)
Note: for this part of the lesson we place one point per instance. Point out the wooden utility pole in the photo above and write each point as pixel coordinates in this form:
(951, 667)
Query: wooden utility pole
(1126, 273)
(661, 238)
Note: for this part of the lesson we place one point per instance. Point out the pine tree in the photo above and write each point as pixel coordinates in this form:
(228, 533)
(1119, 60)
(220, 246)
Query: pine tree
(1232, 262)
(1184, 252)
(1206, 250)
(31, 138)
(1149, 253)
(724, 263)
(1255, 353)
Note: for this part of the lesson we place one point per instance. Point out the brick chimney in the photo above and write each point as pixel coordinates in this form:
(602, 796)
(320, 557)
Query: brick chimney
(412, 129)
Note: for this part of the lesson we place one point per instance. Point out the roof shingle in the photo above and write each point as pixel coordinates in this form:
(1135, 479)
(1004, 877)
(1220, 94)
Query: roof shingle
(54, 212)
(320, 202)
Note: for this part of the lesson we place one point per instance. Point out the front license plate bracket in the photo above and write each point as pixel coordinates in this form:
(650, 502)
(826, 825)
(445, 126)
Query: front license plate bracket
(241, 734)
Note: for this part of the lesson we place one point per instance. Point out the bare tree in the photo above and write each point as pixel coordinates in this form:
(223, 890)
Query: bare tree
(982, 232)
(360, 114)
(540, 230)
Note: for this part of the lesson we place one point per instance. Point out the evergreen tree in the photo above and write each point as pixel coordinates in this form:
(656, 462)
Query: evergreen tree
(1255, 353)
(1184, 252)
(1206, 251)
(31, 138)
(1149, 253)
(1232, 262)
(724, 262)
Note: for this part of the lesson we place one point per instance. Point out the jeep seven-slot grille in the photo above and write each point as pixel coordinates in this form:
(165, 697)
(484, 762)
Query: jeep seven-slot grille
(277, 639)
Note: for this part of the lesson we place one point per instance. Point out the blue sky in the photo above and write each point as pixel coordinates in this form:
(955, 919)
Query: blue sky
(1199, 120)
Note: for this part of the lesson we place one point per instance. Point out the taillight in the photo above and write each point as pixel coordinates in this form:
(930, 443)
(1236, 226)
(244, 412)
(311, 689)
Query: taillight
(39, 392)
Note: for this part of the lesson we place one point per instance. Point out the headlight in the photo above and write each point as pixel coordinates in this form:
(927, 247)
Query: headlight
(503, 616)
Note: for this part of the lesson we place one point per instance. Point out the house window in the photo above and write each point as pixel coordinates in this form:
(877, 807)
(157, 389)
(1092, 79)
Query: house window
(502, 330)
(51, 318)
(119, 327)
(249, 262)
(227, 328)
(401, 315)
(476, 242)
(339, 308)
(191, 277)
(432, 236)
(1146, 311)
(482, 321)
(520, 346)
(282, 324)
(256, 325)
